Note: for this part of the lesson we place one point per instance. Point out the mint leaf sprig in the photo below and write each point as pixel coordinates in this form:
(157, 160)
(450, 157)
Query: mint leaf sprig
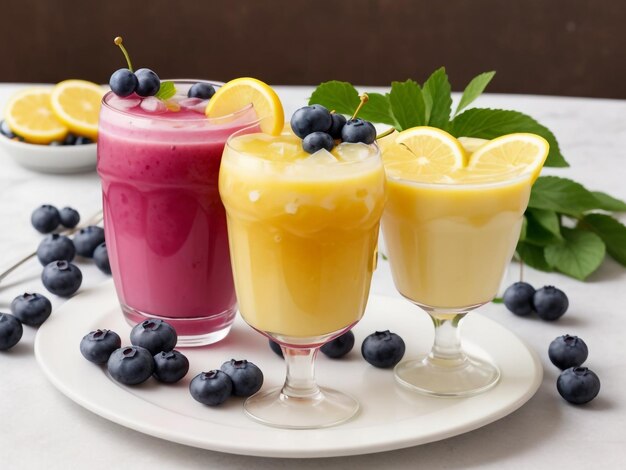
(567, 228)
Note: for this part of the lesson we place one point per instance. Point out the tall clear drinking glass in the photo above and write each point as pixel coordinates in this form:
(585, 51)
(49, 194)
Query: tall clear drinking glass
(303, 233)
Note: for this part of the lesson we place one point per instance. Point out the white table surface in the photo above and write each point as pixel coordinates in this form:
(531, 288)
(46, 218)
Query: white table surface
(41, 428)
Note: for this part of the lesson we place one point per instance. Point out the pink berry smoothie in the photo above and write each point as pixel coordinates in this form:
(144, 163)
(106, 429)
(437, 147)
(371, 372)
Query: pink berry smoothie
(164, 222)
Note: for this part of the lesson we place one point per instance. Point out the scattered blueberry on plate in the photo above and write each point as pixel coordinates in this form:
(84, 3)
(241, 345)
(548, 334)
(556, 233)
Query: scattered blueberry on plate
(98, 345)
(568, 351)
(101, 258)
(87, 239)
(383, 349)
(211, 388)
(31, 309)
(246, 377)
(10, 331)
(155, 335)
(340, 346)
(69, 217)
(170, 366)
(61, 278)
(55, 247)
(45, 218)
(131, 365)
(518, 298)
(550, 303)
(578, 385)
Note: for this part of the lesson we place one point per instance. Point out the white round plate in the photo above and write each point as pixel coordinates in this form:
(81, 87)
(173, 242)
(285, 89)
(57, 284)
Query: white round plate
(390, 417)
(51, 159)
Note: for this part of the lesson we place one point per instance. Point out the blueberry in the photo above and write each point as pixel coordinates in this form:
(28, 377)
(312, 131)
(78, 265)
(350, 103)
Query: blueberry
(101, 258)
(274, 346)
(317, 141)
(518, 298)
(10, 331)
(340, 346)
(211, 388)
(309, 119)
(55, 143)
(245, 376)
(123, 82)
(201, 90)
(5, 130)
(69, 217)
(578, 385)
(82, 140)
(155, 335)
(550, 303)
(61, 278)
(170, 366)
(568, 351)
(131, 365)
(87, 239)
(55, 247)
(358, 130)
(45, 218)
(98, 345)
(31, 309)
(339, 120)
(383, 349)
(148, 82)
(70, 139)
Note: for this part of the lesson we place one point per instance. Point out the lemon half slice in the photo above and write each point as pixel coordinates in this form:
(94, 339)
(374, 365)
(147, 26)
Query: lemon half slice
(241, 92)
(76, 103)
(29, 114)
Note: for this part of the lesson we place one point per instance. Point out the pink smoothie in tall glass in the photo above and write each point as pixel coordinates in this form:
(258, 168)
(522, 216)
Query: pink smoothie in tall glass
(164, 222)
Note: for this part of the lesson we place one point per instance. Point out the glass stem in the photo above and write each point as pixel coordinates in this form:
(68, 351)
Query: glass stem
(447, 349)
(300, 381)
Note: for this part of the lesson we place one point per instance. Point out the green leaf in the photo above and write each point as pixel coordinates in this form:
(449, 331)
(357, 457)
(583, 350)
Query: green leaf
(498, 300)
(488, 123)
(580, 255)
(612, 233)
(437, 99)
(378, 109)
(474, 89)
(522, 234)
(407, 104)
(340, 96)
(561, 195)
(609, 203)
(533, 256)
(543, 227)
(166, 91)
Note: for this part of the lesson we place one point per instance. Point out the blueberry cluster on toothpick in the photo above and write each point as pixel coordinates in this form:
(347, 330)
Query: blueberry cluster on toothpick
(320, 128)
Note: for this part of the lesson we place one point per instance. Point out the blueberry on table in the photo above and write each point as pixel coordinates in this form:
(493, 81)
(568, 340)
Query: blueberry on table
(61, 278)
(578, 385)
(87, 239)
(45, 218)
(246, 377)
(148, 82)
(101, 258)
(55, 247)
(69, 217)
(31, 309)
(155, 335)
(340, 346)
(567, 351)
(309, 119)
(518, 298)
(10, 331)
(383, 349)
(170, 366)
(123, 82)
(358, 130)
(274, 346)
(98, 345)
(201, 90)
(211, 388)
(550, 303)
(130, 365)
(339, 120)
(317, 141)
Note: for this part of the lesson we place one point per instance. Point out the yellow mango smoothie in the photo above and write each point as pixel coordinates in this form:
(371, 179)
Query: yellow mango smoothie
(303, 231)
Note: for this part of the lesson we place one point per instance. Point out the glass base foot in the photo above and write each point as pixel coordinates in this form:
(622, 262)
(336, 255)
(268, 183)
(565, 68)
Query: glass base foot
(440, 378)
(327, 408)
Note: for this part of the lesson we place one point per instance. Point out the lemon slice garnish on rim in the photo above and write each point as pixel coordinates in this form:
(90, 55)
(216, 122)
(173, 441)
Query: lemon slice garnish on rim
(241, 92)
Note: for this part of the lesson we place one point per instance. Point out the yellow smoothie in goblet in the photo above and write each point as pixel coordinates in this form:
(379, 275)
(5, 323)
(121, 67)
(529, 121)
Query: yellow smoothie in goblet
(303, 231)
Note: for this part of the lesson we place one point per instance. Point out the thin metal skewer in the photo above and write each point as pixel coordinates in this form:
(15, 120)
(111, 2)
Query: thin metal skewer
(93, 220)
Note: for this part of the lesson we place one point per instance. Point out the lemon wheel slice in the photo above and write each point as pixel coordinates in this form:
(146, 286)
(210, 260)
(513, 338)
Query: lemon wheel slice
(521, 153)
(29, 114)
(424, 153)
(76, 103)
(241, 92)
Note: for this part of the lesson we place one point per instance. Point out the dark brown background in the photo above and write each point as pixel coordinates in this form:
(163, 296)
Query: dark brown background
(560, 47)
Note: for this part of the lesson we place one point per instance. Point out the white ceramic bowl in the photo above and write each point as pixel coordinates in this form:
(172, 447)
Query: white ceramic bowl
(49, 158)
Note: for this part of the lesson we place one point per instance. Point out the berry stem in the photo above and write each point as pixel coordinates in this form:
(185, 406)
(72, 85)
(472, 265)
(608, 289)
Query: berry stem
(118, 42)
(364, 99)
